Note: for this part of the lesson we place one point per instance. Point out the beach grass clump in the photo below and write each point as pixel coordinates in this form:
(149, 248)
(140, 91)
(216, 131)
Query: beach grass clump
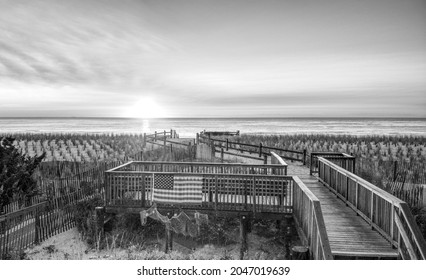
(375, 155)
(79, 147)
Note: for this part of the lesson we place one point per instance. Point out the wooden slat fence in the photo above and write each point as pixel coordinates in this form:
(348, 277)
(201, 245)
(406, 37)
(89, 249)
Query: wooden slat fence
(36, 223)
(258, 149)
(386, 213)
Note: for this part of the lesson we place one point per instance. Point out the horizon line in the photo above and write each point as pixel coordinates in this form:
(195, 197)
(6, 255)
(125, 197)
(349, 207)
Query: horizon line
(168, 118)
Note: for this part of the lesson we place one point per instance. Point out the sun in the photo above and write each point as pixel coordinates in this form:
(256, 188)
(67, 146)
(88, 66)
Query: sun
(146, 108)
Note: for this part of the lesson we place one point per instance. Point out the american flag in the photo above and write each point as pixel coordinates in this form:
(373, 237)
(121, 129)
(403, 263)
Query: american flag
(177, 189)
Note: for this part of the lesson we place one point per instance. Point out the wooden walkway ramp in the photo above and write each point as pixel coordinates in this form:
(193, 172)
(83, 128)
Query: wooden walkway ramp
(349, 235)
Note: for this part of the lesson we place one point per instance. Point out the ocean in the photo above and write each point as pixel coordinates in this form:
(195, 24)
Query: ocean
(189, 127)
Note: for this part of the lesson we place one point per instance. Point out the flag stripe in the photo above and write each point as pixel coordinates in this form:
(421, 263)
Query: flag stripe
(177, 189)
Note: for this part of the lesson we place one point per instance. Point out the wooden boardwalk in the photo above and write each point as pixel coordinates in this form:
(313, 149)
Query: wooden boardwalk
(339, 215)
(349, 234)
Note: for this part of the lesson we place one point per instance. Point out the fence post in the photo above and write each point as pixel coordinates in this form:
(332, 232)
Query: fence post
(99, 217)
(171, 133)
(197, 138)
(244, 224)
(227, 144)
(144, 140)
(304, 157)
(260, 149)
(221, 154)
(395, 168)
(213, 149)
(155, 135)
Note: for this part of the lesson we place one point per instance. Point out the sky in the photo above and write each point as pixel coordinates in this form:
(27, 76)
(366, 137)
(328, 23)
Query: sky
(217, 58)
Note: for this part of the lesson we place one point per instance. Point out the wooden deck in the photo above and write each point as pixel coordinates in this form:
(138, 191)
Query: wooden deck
(339, 215)
(349, 234)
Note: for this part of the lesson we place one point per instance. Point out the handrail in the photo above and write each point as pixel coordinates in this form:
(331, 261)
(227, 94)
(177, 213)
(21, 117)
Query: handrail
(200, 164)
(120, 166)
(308, 215)
(276, 159)
(386, 213)
(346, 161)
(199, 167)
(260, 148)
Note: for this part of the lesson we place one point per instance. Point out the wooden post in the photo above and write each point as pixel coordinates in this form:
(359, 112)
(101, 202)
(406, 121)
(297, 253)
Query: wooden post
(372, 209)
(143, 191)
(227, 144)
(144, 140)
(99, 217)
(197, 138)
(167, 237)
(395, 168)
(171, 133)
(260, 149)
(165, 142)
(155, 135)
(244, 221)
(213, 150)
(304, 157)
(221, 154)
(265, 159)
(300, 253)
(216, 196)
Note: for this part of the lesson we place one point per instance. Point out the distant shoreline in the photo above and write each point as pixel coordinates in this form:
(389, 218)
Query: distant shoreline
(225, 118)
(188, 127)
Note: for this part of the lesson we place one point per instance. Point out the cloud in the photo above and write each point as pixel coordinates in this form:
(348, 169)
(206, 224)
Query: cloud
(200, 58)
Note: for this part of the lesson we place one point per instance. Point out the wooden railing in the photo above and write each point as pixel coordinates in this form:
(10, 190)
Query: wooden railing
(202, 167)
(341, 159)
(169, 141)
(387, 214)
(259, 150)
(276, 159)
(308, 215)
(226, 192)
(161, 135)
